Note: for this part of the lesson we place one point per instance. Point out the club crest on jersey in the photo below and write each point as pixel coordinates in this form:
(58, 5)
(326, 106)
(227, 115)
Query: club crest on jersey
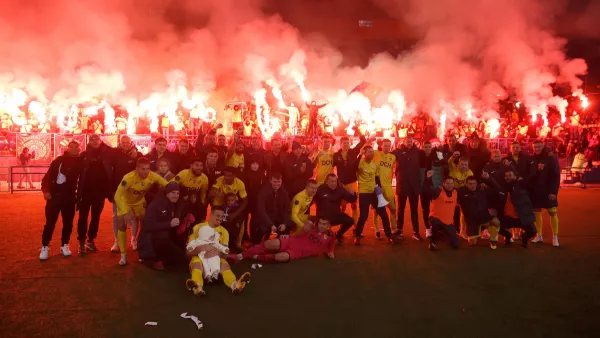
(123, 183)
(177, 178)
(296, 202)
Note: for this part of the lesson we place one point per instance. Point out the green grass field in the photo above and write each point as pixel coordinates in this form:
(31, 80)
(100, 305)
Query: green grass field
(375, 290)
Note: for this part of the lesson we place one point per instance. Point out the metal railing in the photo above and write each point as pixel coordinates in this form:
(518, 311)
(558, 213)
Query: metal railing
(26, 178)
(12, 143)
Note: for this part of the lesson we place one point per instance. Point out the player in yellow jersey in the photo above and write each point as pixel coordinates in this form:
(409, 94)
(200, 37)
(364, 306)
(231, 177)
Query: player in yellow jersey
(385, 161)
(459, 173)
(194, 186)
(323, 160)
(301, 205)
(235, 155)
(229, 184)
(196, 281)
(368, 173)
(130, 201)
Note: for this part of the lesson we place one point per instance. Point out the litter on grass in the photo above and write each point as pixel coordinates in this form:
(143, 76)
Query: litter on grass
(194, 319)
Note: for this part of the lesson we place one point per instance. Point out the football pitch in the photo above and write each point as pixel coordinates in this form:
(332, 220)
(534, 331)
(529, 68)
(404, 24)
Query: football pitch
(375, 290)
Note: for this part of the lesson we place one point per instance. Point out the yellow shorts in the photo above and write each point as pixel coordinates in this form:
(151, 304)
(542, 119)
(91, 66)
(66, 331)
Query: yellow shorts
(388, 194)
(139, 210)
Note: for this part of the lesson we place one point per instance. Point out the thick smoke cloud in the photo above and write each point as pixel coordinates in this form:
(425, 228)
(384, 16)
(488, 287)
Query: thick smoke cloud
(468, 55)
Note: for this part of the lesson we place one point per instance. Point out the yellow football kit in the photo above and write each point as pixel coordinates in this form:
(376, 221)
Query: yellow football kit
(324, 165)
(131, 192)
(300, 205)
(193, 183)
(460, 178)
(367, 171)
(196, 274)
(385, 163)
(237, 188)
(235, 160)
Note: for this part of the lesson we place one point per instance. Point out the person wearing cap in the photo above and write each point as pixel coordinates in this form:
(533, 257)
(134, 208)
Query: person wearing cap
(297, 170)
(163, 215)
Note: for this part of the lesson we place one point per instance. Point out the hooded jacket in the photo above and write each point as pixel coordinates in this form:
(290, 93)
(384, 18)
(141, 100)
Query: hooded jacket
(68, 166)
(100, 184)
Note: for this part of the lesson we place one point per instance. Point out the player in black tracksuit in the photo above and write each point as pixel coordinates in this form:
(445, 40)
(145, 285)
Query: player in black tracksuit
(329, 199)
(474, 206)
(345, 160)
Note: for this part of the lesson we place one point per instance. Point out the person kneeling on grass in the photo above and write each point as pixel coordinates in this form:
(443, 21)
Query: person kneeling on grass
(441, 215)
(518, 209)
(196, 281)
(473, 201)
(311, 242)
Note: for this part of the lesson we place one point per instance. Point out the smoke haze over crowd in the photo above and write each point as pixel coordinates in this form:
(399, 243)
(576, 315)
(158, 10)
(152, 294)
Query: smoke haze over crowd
(467, 55)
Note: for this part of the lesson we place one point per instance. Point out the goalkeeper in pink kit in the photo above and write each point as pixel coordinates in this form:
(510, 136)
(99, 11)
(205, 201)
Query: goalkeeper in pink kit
(311, 242)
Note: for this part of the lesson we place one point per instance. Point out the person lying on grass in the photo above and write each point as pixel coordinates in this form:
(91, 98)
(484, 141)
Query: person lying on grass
(310, 242)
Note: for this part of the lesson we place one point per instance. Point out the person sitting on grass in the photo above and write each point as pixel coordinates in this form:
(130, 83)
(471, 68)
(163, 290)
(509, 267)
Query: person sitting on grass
(311, 242)
(196, 281)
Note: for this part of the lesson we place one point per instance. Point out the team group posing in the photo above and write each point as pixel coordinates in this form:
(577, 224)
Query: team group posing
(266, 196)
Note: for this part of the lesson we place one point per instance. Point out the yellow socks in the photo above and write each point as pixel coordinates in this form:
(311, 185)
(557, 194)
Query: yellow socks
(122, 240)
(355, 215)
(197, 277)
(554, 221)
(493, 230)
(539, 222)
(228, 277)
(376, 222)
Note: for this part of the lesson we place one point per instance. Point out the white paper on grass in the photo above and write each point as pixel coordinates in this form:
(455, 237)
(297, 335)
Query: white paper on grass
(195, 319)
(151, 323)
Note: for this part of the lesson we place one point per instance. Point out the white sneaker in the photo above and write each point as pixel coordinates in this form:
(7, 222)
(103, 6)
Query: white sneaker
(512, 240)
(240, 257)
(44, 253)
(123, 260)
(428, 233)
(555, 241)
(134, 244)
(538, 239)
(485, 234)
(65, 250)
(115, 247)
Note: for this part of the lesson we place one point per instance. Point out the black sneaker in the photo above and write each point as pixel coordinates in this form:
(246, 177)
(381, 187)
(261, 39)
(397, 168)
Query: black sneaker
(81, 250)
(525, 241)
(393, 240)
(340, 238)
(90, 246)
(507, 241)
(377, 234)
(432, 246)
(398, 234)
(416, 236)
(357, 240)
